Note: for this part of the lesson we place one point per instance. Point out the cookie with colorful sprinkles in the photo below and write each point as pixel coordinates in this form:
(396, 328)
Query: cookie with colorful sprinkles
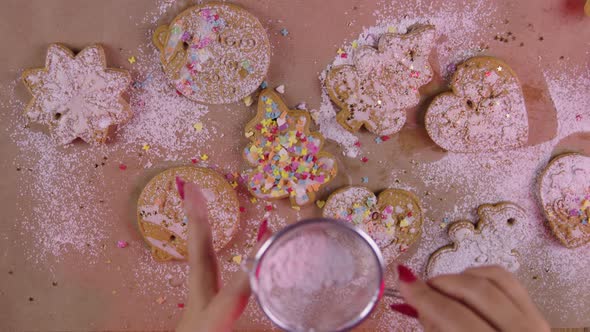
(485, 111)
(564, 190)
(77, 96)
(286, 158)
(493, 241)
(214, 53)
(382, 83)
(161, 217)
(393, 218)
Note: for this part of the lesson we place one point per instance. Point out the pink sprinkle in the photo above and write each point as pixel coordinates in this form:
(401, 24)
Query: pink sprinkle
(364, 159)
(242, 209)
(344, 55)
(180, 305)
(122, 244)
(384, 138)
(194, 160)
(122, 167)
(578, 117)
(488, 73)
(357, 144)
(268, 208)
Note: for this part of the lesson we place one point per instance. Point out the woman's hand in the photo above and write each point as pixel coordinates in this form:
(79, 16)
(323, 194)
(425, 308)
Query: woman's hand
(479, 299)
(210, 307)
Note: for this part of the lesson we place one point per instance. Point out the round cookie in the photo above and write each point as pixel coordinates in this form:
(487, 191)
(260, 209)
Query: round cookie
(485, 111)
(494, 241)
(393, 218)
(160, 211)
(77, 96)
(564, 191)
(382, 83)
(214, 53)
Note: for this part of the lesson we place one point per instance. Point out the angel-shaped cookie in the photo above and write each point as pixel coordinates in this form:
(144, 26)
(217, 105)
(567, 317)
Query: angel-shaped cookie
(287, 158)
(493, 241)
(382, 83)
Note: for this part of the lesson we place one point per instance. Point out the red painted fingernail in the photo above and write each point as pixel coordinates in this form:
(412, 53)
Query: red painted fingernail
(180, 187)
(405, 274)
(262, 230)
(405, 309)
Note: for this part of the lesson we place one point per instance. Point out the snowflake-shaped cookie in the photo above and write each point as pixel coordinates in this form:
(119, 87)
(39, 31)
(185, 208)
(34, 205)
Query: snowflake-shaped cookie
(376, 91)
(77, 95)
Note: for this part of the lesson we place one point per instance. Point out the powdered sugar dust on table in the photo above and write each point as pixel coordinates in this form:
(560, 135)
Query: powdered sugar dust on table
(72, 256)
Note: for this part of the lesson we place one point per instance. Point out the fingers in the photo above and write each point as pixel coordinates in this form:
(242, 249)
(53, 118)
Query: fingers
(203, 273)
(480, 295)
(515, 291)
(231, 301)
(436, 309)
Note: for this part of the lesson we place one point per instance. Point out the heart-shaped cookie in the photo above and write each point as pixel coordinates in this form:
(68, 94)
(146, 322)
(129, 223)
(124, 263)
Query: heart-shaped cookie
(485, 111)
(161, 217)
(382, 83)
(565, 198)
(492, 242)
(393, 219)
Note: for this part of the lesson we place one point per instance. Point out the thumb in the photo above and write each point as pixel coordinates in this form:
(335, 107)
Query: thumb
(232, 299)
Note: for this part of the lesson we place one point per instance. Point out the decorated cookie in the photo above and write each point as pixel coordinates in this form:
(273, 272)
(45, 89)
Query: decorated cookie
(485, 111)
(214, 53)
(161, 217)
(287, 158)
(394, 218)
(376, 91)
(77, 96)
(565, 197)
(494, 241)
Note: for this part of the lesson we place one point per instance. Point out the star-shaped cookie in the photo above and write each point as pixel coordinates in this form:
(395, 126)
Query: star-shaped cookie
(77, 96)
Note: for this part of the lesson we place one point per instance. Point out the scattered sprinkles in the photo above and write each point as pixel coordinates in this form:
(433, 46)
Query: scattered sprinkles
(198, 127)
(122, 167)
(364, 159)
(131, 59)
(122, 244)
(284, 32)
(237, 259)
(145, 147)
(365, 179)
(204, 157)
(320, 203)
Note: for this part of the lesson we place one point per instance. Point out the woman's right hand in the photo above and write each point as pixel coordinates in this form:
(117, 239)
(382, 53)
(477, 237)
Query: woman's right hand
(479, 299)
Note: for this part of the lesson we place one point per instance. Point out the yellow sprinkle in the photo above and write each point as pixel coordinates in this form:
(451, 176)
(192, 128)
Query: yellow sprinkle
(253, 200)
(249, 134)
(234, 184)
(443, 225)
(131, 60)
(296, 208)
(204, 157)
(404, 223)
(198, 127)
(237, 259)
(146, 147)
(340, 51)
(320, 204)
(355, 44)
(391, 29)
(585, 204)
(248, 101)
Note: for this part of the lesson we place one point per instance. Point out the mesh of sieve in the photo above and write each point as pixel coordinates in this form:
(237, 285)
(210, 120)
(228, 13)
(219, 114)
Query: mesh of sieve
(318, 275)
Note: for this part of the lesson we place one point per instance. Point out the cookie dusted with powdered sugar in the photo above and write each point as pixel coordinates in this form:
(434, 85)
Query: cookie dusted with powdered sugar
(485, 111)
(214, 53)
(565, 197)
(161, 217)
(382, 83)
(493, 241)
(393, 218)
(77, 96)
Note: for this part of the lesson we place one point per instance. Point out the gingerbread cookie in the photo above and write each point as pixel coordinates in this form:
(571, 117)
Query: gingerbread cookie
(565, 198)
(287, 158)
(493, 241)
(376, 91)
(161, 217)
(214, 53)
(77, 96)
(394, 218)
(485, 111)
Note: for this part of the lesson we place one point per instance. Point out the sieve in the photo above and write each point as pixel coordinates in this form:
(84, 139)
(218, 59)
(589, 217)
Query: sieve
(318, 275)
